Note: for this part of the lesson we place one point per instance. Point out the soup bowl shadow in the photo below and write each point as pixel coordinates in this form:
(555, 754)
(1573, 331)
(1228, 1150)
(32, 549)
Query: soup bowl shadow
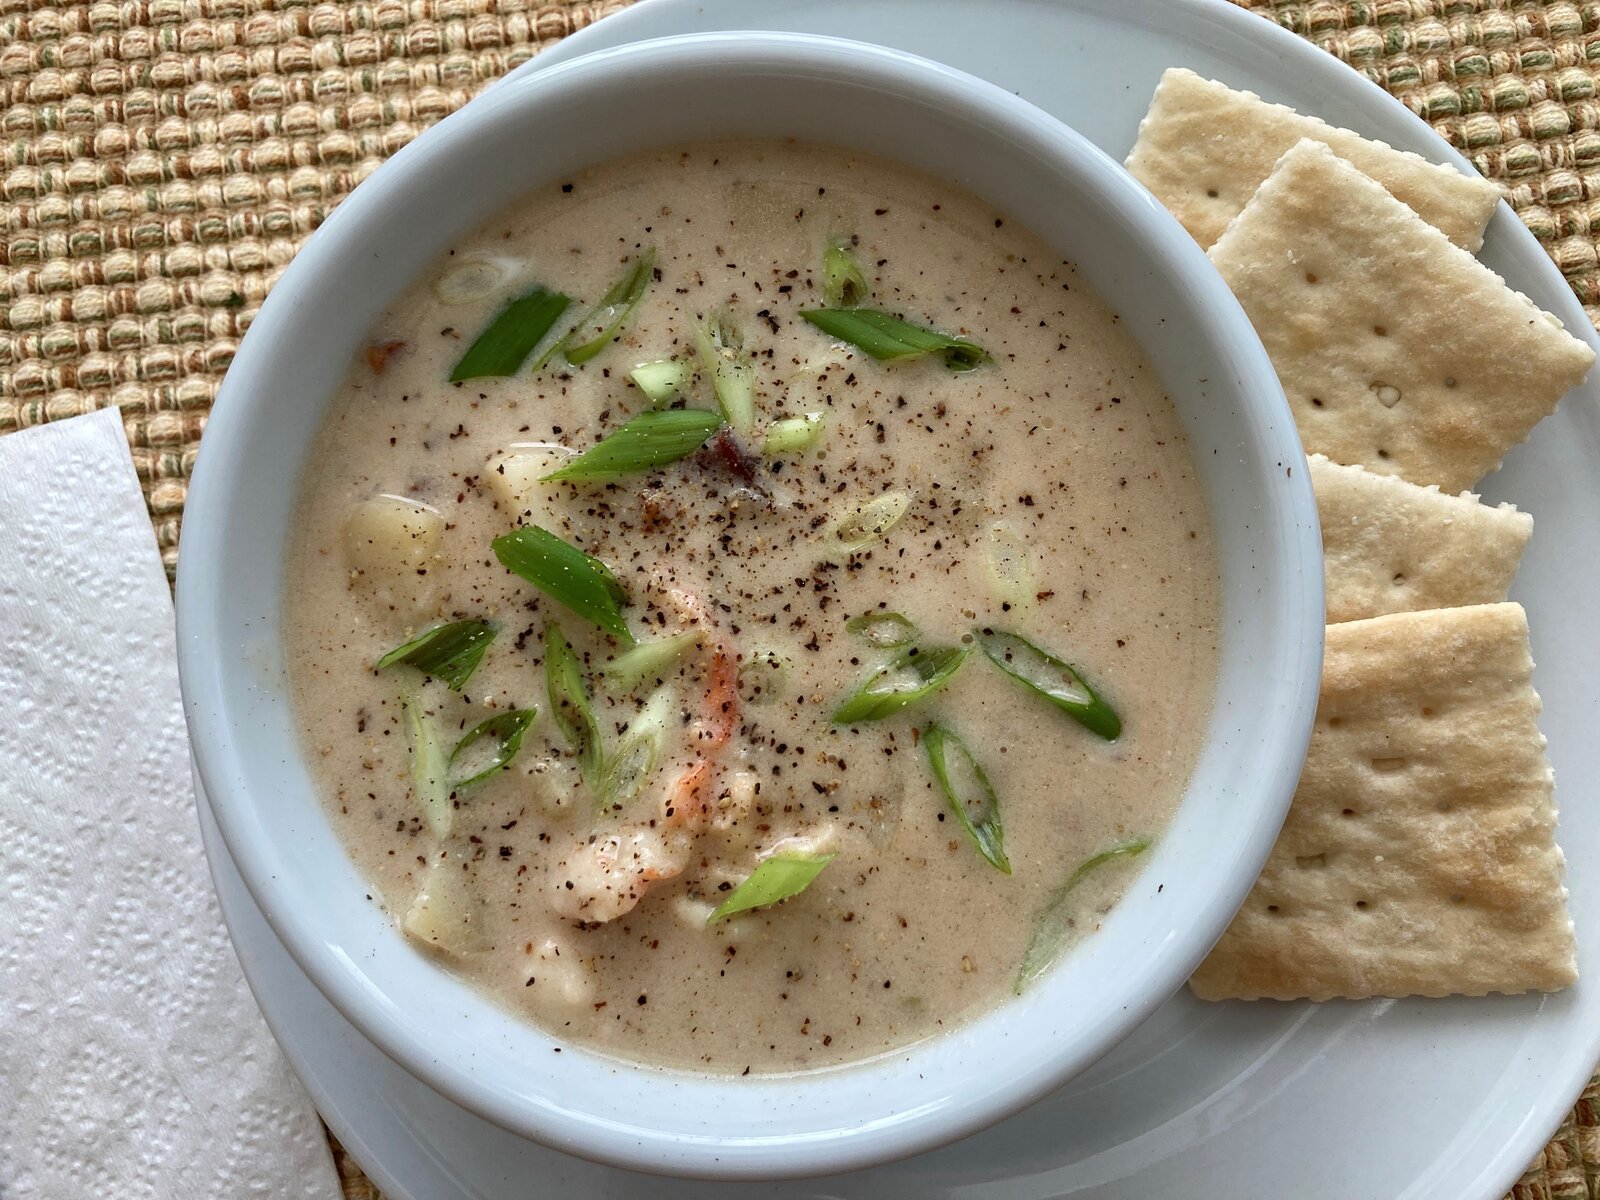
(240, 517)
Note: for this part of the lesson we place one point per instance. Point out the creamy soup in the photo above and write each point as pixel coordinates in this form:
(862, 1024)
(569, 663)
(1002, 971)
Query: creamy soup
(749, 743)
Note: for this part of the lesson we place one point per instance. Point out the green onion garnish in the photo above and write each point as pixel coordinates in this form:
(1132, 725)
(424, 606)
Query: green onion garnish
(569, 703)
(763, 676)
(661, 381)
(450, 653)
(843, 284)
(652, 660)
(628, 767)
(430, 767)
(913, 674)
(566, 574)
(777, 879)
(1051, 678)
(652, 439)
(613, 584)
(506, 730)
(969, 790)
(603, 323)
(887, 630)
(794, 434)
(856, 530)
(733, 374)
(885, 336)
(521, 325)
(1055, 922)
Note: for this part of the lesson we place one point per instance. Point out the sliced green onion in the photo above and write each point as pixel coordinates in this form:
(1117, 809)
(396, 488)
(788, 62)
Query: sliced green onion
(913, 674)
(613, 584)
(887, 630)
(969, 789)
(450, 653)
(1010, 567)
(733, 374)
(885, 336)
(654, 659)
(629, 766)
(430, 767)
(1051, 678)
(794, 434)
(652, 439)
(566, 574)
(857, 530)
(569, 703)
(1055, 922)
(603, 323)
(506, 730)
(661, 381)
(521, 325)
(472, 279)
(763, 675)
(843, 284)
(778, 878)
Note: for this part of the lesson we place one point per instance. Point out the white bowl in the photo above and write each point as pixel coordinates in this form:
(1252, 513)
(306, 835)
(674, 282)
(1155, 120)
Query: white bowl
(247, 746)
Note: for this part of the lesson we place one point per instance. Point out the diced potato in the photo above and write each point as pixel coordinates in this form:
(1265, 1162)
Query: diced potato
(390, 535)
(559, 975)
(392, 546)
(514, 480)
(446, 914)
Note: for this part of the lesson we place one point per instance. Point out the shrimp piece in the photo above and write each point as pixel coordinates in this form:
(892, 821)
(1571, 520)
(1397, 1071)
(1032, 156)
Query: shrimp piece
(606, 877)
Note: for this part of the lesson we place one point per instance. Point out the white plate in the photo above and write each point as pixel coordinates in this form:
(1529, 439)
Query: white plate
(1421, 1100)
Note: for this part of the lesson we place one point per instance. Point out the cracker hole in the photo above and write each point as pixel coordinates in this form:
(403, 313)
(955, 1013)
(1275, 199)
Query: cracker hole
(1310, 278)
(1316, 403)
(1335, 722)
(1380, 331)
(1426, 711)
(1310, 862)
(1444, 806)
(1362, 904)
(1387, 766)
(1399, 579)
(1349, 812)
(1449, 381)
(1274, 909)
(1388, 395)
(1212, 192)
(1383, 454)
(1458, 898)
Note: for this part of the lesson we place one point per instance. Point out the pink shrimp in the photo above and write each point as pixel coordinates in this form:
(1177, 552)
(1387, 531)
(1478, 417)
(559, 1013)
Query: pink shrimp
(606, 877)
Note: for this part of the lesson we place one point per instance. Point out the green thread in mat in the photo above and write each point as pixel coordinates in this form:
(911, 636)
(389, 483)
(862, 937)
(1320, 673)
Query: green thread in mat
(161, 161)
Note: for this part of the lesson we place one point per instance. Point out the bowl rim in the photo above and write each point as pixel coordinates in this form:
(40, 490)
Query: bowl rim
(216, 753)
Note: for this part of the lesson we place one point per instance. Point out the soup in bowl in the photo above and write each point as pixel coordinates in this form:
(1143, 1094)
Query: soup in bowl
(744, 635)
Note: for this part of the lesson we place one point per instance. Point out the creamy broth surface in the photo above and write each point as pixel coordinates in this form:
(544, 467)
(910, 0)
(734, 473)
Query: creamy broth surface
(1062, 457)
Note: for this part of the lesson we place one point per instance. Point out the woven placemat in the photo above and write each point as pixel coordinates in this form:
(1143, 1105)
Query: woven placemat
(163, 159)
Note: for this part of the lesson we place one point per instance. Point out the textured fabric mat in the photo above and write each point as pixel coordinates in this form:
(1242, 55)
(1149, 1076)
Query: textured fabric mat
(161, 160)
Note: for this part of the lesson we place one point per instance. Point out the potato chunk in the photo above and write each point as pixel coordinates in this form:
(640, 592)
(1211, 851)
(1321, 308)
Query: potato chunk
(445, 913)
(392, 545)
(514, 480)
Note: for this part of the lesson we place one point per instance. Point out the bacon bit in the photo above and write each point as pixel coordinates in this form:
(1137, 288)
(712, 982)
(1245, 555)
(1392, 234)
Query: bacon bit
(725, 452)
(379, 354)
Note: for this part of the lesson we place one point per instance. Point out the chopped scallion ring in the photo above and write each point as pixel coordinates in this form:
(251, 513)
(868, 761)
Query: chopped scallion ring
(652, 439)
(1055, 922)
(449, 653)
(505, 730)
(913, 674)
(887, 630)
(567, 575)
(570, 705)
(844, 285)
(791, 435)
(733, 374)
(1044, 673)
(966, 788)
(779, 878)
(661, 381)
(504, 346)
(885, 336)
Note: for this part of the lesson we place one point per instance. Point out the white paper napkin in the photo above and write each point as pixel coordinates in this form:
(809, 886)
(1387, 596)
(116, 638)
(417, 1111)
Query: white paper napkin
(134, 1063)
